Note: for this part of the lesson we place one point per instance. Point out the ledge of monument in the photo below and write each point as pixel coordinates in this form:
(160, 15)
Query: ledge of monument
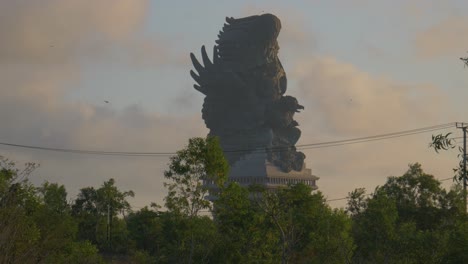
(257, 165)
(275, 172)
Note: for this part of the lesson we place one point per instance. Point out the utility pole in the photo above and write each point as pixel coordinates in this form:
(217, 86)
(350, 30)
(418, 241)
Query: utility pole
(464, 126)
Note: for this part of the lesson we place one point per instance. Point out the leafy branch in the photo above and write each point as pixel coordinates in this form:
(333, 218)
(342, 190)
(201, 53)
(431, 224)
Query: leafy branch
(442, 142)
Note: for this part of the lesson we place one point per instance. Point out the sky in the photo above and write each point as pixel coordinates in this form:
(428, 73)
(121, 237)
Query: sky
(359, 67)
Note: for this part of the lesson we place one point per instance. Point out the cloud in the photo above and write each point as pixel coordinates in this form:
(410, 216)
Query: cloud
(446, 38)
(33, 111)
(55, 31)
(44, 50)
(341, 102)
(88, 127)
(348, 101)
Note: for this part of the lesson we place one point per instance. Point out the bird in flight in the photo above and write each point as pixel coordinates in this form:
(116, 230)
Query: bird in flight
(106, 102)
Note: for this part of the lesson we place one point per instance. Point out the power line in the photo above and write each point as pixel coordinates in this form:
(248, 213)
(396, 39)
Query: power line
(446, 179)
(384, 136)
(352, 140)
(96, 152)
(337, 199)
(369, 139)
(251, 150)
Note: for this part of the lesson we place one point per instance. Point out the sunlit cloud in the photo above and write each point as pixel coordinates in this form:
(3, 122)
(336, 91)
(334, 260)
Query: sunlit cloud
(350, 101)
(42, 57)
(446, 38)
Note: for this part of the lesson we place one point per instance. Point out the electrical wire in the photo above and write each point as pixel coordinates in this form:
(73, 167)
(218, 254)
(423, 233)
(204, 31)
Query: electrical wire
(250, 150)
(385, 136)
(96, 152)
(352, 140)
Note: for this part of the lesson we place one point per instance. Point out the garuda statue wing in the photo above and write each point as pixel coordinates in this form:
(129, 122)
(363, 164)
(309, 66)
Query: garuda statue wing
(227, 101)
(212, 74)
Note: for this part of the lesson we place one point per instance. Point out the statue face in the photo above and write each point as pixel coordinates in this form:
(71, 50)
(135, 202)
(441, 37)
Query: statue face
(271, 51)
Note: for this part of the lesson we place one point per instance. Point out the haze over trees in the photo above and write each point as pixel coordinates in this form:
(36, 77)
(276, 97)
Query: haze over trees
(409, 219)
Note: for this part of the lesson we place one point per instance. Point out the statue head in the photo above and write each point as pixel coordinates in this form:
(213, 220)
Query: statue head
(290, 104)
(249, 41)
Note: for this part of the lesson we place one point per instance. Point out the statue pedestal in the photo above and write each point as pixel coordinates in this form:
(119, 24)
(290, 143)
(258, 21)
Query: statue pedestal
(254, 168)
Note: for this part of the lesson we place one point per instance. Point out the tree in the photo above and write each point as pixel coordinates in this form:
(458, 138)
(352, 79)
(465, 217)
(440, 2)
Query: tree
(35, 223)
(420, 198)
(308, 229)
(19, 234)
(406, 219)
(374, 230)
(110, 200)
(85, 211)
(202, 159)
(445, 142)
(245, 232)
(81, 252)
(98, 211)
(145, 228)
(54, 197)
(53, 218)
(356, 202)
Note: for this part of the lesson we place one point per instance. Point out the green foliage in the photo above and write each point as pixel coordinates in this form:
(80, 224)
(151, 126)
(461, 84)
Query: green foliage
(97, 212)
(186, 239)
(35, 223)
(82, 252)
(465, 61)
(442, 142)
(145, 227)
(202, 159)
(409, 219)
(406, 219)
(54, 198)
(374, 229)
(108, 199)
(458, 243)
(142, 257)
(19, 234)
(356, 202)
(246, 235)
(193, 236)
(292, 210)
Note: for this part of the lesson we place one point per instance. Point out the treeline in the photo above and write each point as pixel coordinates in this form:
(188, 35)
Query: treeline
(409, 219)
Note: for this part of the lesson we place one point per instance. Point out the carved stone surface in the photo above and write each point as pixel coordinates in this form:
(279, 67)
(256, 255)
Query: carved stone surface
(244, 85)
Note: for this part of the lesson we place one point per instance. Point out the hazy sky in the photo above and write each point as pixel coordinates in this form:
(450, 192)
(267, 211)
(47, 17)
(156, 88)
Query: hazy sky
(359, 67)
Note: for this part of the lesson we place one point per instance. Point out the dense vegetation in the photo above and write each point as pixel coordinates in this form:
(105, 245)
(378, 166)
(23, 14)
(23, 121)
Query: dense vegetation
(409, 219)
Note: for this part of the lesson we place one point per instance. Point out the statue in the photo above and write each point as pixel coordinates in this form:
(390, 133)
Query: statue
(244, 85)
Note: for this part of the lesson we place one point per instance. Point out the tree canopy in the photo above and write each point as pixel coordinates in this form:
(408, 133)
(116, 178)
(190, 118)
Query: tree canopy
(408, 219)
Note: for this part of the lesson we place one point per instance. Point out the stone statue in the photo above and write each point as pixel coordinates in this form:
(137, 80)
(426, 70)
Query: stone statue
(244, 85)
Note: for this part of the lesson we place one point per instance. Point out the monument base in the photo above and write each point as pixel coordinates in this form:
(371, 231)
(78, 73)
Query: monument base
(255, 169)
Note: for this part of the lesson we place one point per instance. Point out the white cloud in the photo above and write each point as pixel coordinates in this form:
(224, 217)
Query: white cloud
(41, 57)
(449, 37)
(350, 102)
(342, 102)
